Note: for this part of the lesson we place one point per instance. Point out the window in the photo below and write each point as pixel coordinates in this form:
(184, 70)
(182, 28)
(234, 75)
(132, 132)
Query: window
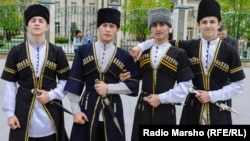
(57, 6)
(73, 7)
(92, 8)
(57, 28)
(191, 12)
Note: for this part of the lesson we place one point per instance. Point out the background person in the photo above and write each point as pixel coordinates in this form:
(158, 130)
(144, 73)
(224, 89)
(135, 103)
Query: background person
(222, 33)
(88, 38)
(77, 41)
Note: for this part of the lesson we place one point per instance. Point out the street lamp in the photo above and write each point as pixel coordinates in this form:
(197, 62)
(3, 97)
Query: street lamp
(46, 1)
(114, 4)
(181, 21)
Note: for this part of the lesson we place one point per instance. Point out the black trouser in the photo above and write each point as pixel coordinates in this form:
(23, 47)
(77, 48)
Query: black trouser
(47, 138)
(100, 136)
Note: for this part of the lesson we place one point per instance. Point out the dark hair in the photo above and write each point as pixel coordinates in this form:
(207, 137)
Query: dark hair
(222, 27)
(77, 31)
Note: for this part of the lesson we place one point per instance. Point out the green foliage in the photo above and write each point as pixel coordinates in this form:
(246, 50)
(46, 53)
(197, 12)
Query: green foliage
(136, 23)
(135, 20)
(237, 24)
(11, 19)
(235, 15)
(1, 35)
(235, 5)
(1, 43)
(61, 40)
(73, 29)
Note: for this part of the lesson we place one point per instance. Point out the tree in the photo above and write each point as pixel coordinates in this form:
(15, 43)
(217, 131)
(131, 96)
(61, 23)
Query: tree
(11, 21)
(236, 14)
(135, 16)
(11, 12)
(73, 29)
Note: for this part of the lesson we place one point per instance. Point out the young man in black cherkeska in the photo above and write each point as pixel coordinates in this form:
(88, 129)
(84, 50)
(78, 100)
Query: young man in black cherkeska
(35, 64)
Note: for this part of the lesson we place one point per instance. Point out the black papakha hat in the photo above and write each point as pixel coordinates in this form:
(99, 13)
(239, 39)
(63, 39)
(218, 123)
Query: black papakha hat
(109, 15)
(208, 8)
(36, 10)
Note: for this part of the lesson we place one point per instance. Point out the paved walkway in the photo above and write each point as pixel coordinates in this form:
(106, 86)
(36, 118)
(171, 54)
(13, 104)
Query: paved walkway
(240, 102)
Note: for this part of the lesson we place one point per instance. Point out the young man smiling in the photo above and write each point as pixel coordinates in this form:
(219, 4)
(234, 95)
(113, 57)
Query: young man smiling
(213, 62)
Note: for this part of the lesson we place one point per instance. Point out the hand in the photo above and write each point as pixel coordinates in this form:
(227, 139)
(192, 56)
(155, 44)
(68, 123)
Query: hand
(136, 52)
(80, 118)
(13, 122)
(124, 75)
(153, 100)
(43, 97)
(101, 88)
(203, 96)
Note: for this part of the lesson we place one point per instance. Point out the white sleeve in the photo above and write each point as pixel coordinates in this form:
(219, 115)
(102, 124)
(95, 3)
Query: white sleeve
(118, 88)
(74, 102)
(146, 44)
(58, 92)
(177, 94)
(227, 92)
(9, 100)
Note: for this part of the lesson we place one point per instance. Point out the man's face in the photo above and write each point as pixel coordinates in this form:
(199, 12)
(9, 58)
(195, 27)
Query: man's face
(222, 34)
(88, 32)
(37, 26)
(107, 32)
(160, 32)
(209, 27)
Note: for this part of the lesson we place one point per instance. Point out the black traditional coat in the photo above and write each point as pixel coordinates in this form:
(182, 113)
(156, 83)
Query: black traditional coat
(226, 64)
(19, 68)
(173, 68)
(84, 71)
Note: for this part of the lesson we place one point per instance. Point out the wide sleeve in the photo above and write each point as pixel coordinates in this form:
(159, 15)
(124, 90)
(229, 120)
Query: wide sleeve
(10, 72)
(133, 82)
(75, 82)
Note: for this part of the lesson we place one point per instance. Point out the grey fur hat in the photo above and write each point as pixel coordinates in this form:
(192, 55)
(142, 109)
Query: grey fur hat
(159, 15)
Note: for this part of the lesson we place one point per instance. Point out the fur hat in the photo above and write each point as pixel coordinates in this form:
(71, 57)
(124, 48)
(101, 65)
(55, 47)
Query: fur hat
(159, 15)
(110, 15)
(208, 8)
(36, 10)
